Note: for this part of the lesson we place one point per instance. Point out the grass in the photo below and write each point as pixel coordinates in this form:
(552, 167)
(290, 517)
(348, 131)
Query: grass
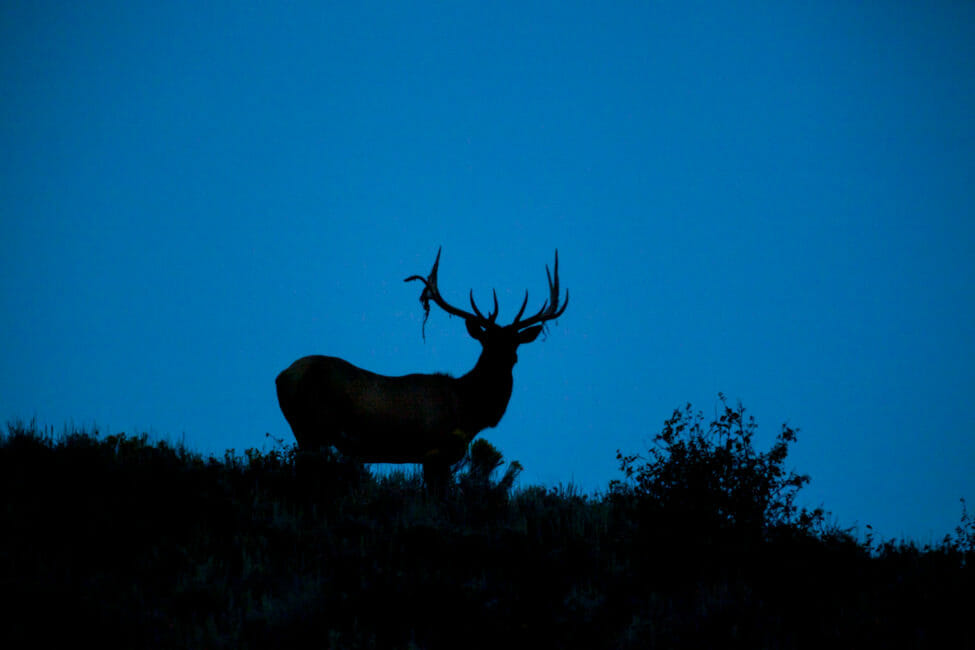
(126, 542)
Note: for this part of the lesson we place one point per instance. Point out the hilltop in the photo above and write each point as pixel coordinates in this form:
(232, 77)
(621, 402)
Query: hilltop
(133, 543)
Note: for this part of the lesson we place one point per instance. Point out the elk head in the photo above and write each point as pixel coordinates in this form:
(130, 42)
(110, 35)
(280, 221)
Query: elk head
(500, 342)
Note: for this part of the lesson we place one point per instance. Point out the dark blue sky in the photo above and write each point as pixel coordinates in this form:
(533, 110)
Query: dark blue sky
(773, 200)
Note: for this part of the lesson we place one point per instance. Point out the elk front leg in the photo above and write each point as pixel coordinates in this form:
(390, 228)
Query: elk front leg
(437, 462)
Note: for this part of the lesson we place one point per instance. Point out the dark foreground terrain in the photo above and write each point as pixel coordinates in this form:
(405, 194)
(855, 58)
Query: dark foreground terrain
(128, 543)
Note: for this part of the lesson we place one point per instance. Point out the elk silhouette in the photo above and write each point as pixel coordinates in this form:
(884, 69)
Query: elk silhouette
(417, 418)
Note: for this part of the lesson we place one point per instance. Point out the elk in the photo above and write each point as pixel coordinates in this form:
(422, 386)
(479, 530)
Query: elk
(418, 418)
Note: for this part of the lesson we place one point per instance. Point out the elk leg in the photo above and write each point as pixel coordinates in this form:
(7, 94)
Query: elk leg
(436, 476)
(437, 462)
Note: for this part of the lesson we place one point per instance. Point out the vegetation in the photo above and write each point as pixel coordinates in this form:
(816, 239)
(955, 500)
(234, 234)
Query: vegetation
(130, 543)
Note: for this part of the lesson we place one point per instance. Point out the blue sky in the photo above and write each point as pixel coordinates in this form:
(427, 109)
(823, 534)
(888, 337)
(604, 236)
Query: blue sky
(772, 200)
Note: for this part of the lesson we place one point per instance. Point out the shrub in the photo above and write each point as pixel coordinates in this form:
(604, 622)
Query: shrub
(710, 478)
(481, 462)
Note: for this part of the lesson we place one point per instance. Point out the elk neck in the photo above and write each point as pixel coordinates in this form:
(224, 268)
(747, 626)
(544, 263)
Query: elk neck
(485, 392)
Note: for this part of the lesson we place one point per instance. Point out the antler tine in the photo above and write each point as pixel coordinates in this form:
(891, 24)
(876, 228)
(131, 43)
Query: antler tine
(493, 315)
(436, 266)
(550, 308)
(432, 278)
(523, 305)
(555, 288)
(564, 305)
(432, 292)
(474, 307)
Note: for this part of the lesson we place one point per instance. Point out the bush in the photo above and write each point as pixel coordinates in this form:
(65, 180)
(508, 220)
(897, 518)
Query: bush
(479, 466)
(710, 478)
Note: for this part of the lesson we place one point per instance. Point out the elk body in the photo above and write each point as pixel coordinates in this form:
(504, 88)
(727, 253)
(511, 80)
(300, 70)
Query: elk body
(418, 418)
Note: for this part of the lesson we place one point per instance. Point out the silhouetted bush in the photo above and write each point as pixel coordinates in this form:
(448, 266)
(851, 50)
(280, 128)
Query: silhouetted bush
(710, 478)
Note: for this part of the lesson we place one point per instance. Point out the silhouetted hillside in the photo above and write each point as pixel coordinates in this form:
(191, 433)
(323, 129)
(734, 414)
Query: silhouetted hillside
(127, 543)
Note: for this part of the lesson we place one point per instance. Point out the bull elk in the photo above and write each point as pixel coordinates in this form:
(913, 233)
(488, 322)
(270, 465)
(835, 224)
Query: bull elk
(418, 418)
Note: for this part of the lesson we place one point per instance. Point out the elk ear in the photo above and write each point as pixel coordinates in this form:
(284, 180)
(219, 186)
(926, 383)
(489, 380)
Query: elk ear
(529, 335)
(474, 329)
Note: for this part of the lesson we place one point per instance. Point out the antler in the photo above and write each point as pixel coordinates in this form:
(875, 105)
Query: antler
(432, 292)
(550, 308)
